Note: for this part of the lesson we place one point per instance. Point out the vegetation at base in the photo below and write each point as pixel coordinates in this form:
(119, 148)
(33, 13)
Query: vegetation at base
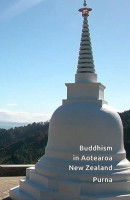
(26, 144)
(125, 116)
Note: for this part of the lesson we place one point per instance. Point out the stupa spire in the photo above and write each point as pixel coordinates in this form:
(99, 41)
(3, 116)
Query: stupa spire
(85, 61)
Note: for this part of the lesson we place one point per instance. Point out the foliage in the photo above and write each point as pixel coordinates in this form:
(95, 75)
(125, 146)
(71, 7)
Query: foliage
(125, 116)
(23, 145)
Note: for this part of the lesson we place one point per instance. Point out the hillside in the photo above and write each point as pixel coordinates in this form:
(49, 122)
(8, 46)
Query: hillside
(26, 144)
(23, 144)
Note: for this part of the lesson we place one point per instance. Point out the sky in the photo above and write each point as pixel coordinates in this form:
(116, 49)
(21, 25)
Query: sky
(39, 45)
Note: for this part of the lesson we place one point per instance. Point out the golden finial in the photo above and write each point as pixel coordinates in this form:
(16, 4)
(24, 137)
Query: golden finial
(85, 11)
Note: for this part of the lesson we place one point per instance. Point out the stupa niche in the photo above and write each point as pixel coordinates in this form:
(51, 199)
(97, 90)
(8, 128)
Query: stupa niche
(85, 157)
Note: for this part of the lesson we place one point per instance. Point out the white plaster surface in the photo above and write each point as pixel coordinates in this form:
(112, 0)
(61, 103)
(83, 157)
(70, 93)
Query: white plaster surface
(86, 77)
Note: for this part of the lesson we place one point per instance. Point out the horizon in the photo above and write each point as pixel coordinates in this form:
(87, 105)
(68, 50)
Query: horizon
(7, 125)
(39, 54)
(17, 124)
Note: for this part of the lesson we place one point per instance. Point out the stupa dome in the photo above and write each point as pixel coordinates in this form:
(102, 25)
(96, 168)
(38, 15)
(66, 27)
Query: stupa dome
(85, 123)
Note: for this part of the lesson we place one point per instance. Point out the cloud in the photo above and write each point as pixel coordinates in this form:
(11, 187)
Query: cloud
(12, 116)
(12, 104)
(19, 7)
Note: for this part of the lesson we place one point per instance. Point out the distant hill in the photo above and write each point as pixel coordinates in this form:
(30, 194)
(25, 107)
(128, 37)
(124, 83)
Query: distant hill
(8, 125)
(26, 144)
(23, 145)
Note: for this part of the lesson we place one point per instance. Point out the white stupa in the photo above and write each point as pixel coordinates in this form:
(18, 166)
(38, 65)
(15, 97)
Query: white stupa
(85, 157)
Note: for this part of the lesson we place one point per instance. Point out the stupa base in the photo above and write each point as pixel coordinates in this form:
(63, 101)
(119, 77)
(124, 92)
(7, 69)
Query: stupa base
(18, 194)
(34, 188)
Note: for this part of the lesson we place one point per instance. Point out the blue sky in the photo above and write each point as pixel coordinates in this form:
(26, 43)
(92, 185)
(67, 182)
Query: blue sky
(39, 45)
